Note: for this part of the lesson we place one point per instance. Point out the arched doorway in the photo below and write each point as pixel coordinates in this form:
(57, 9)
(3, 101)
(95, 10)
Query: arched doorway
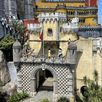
(44, 80)
(34, 86)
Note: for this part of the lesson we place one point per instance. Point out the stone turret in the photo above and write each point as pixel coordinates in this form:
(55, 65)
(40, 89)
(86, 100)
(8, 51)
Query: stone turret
(51, 22)
(16, 51)
(52, 17)
(72, 53)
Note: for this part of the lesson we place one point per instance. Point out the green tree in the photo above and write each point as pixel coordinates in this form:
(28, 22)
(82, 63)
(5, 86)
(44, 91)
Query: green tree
(92, 91)
(7, 41)
(63, 99)
(19, 31)
(6, 46)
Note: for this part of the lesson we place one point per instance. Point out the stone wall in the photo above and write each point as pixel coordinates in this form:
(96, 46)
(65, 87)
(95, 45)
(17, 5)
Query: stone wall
(87, 61)
(4, 73)
(63, 78)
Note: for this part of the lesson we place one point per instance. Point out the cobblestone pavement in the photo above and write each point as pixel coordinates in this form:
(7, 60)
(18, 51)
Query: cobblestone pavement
(41, 95)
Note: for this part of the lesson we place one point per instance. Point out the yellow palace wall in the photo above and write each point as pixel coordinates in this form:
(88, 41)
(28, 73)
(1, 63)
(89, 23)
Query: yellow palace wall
(88, 18)
(54, 4)
(87, 60)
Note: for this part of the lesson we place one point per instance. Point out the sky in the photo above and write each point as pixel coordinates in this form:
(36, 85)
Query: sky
(100, 12)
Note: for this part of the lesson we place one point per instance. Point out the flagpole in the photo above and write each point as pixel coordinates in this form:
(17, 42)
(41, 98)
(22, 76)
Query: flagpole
(43, 47)
(43, 39)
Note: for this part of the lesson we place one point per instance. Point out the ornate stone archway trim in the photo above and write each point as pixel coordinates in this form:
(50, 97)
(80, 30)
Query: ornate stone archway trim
(33, 79)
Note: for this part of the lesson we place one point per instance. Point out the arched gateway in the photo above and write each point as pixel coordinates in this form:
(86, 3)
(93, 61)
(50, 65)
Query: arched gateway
(61, 67)
(63, 78)
(36, 80)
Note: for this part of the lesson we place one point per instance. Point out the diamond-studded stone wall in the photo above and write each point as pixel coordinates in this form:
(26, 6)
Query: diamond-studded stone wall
(64, 80)
(64, 84)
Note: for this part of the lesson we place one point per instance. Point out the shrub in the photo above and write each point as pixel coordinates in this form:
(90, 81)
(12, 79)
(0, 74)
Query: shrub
(92, 91)
(17, 97)
(45, 100)
(63, 99)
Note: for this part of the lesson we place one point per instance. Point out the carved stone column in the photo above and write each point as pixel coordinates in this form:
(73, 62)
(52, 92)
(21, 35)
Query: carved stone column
(73, 85)
(55, 87)
(57, 30)
(19, 75)
(33, 85)
(55, 91)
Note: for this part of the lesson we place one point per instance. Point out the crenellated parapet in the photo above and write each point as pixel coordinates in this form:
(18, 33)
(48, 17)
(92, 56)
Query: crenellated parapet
(97, 44)
(52, 17)
(90, 31)
(72, 26)
(34, 27)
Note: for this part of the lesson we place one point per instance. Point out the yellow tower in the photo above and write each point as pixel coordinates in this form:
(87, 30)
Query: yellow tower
(87, 15)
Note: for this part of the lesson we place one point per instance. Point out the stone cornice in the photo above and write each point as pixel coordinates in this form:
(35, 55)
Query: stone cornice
(64, 1)
(70, 8)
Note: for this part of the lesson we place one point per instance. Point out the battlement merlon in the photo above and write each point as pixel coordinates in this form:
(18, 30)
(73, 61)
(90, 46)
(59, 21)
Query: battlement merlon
(52, 17)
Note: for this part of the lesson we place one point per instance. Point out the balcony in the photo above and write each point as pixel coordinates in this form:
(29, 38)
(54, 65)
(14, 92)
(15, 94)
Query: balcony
(51, 60)
(81, 11)
(46, 54)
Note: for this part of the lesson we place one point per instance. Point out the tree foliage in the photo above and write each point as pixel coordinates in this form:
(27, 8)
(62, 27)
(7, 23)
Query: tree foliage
(17, 97)
(6, 42)
(92, 91)
(18, 26)
(63, 99)
(6, 46)
(19, 31)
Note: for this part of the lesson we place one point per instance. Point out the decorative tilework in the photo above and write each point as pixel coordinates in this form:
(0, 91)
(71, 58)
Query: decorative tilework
(64, 77)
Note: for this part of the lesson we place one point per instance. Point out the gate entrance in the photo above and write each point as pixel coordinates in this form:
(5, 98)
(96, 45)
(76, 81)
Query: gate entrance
(44, 80)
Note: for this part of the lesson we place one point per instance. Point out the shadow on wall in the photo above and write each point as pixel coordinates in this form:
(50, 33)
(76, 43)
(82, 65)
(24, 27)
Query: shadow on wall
(79, 54)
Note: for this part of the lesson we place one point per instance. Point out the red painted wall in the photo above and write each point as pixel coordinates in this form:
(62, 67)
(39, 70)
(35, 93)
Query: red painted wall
(29, 21)
(92, 3)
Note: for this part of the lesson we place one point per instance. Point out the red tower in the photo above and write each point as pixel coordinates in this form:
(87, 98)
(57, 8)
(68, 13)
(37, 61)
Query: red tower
(91, 3)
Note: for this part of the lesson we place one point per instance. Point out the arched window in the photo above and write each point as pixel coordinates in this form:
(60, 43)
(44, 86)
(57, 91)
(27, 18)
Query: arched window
(50, 32)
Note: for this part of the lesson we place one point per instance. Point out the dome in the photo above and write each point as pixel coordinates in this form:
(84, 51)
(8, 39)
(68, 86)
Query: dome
(72, 46)
(16, 44)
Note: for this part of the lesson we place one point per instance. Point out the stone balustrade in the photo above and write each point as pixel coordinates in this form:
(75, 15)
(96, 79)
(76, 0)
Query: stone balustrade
(54, 60)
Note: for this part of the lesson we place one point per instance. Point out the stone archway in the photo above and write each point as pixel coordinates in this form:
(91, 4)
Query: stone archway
(33, 79)
(44, 80)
